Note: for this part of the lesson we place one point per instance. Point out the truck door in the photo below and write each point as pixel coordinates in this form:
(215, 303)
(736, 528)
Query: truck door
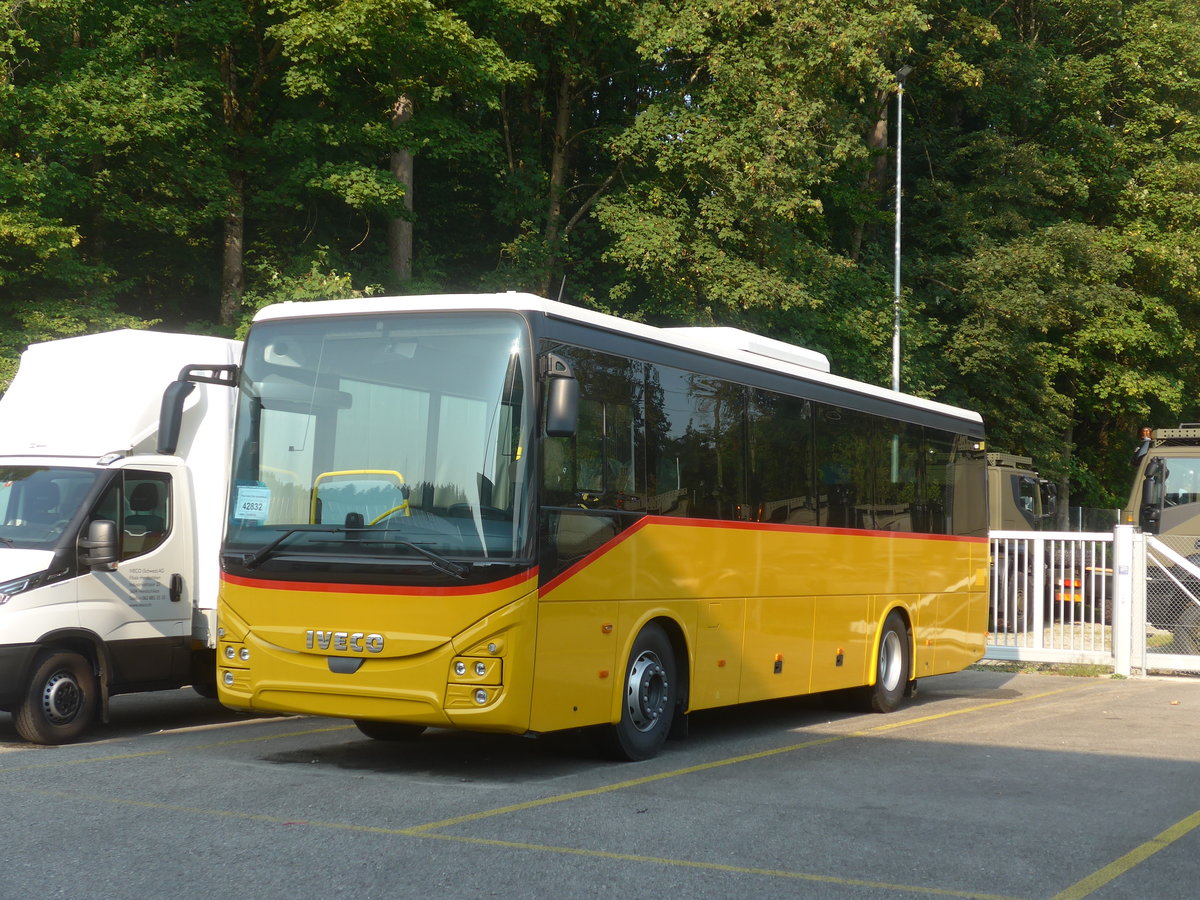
(142, 609)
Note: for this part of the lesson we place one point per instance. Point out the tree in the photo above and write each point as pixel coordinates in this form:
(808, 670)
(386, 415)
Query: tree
(391, 80)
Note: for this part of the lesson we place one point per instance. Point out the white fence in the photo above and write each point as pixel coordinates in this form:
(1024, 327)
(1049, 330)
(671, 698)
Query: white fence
(1119, 599)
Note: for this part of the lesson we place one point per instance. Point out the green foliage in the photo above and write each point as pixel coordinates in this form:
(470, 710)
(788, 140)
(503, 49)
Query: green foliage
(314, 278)
(726, 161)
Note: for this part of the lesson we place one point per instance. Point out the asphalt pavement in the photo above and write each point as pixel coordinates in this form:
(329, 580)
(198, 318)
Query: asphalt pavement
(988, 784)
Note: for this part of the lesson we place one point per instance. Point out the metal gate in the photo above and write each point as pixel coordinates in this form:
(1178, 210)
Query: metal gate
(1119, 599)
(1171, 607)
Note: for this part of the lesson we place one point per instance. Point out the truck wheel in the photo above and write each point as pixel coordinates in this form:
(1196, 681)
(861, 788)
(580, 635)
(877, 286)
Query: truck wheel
(59, 700)
(892, 670)
(649, 698)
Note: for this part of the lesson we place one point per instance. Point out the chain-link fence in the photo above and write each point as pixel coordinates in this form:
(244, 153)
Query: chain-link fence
(1172, 603)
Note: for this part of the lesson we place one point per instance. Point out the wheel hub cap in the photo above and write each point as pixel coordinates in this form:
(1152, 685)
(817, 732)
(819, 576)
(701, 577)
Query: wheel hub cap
(889, 661)
(646, 692)
(61, 698)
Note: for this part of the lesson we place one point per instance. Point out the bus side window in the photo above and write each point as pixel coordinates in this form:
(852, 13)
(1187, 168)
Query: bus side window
(845, 457)
(696, 438)
(899, 502)
(780, 459)
(593, 483)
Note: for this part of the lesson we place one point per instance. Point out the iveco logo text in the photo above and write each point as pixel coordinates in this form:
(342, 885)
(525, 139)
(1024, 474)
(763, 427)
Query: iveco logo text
(355, 641)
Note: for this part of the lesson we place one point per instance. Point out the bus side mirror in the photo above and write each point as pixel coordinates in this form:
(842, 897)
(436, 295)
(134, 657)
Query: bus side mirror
(562, 407)
(170, 415)
(562, 397)
(100, 545)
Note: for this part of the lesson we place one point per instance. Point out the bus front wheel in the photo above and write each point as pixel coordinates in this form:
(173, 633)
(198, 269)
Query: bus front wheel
(389, 731)
(892, 667)
(650, 694)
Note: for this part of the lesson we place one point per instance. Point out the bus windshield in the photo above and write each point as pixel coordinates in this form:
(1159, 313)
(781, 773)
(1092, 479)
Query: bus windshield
(371, 442)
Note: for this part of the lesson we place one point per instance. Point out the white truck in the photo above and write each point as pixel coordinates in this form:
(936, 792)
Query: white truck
(109, 530)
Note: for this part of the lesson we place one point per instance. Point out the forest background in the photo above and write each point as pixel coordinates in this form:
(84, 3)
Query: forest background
(180, 163)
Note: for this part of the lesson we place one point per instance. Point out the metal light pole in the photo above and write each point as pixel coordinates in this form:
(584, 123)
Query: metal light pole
(901, 74)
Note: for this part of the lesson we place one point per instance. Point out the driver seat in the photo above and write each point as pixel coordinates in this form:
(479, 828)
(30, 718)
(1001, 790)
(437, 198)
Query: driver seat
(145, 525)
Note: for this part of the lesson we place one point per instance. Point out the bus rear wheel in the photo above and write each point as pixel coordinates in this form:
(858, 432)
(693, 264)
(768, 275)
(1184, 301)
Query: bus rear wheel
(59, 700)
(892, 666)
(650, 693)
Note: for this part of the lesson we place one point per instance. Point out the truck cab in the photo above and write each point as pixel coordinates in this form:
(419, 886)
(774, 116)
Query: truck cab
(108, 539)
(1018, 498)
(1165, 497)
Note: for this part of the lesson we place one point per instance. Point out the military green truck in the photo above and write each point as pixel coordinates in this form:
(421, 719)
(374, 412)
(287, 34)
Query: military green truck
(1165, 497)
(1018, 498)
(1165, 501)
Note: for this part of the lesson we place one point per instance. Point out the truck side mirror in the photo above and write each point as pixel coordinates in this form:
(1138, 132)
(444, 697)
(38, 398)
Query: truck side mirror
(1049, 493)
(100, 545)
(1153, 494)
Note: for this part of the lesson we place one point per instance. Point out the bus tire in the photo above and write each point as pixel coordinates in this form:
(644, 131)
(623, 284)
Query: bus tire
(204, 673)
(59, 700)
(649, 695)
(892, 666)
(389, 731)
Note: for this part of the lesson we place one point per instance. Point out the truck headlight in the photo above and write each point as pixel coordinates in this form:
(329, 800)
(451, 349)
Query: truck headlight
(15, 586)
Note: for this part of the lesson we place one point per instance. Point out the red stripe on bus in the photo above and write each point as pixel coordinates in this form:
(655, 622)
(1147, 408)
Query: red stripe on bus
(676, 521)
(338, 588)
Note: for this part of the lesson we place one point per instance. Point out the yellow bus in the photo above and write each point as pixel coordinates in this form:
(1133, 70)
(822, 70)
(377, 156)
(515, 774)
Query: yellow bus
(508, 514)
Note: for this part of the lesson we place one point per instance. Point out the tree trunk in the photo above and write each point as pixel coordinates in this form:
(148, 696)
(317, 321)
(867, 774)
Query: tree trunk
(233, 283)
(1062, 518)
(232, 270)
(400, 233)
(877, 142)
(558, 177)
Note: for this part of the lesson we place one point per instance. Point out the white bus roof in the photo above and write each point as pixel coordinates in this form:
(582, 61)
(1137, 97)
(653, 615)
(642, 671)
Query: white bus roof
(719, 342)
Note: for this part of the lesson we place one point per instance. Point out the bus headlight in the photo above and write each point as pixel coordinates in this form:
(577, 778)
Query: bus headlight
(481, 696)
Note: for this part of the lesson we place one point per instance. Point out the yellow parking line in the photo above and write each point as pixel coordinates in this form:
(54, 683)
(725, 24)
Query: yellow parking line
(722, 867)
(1134, 857)
(56, 763)
(427, 830)
(513, 845)
(734, 760)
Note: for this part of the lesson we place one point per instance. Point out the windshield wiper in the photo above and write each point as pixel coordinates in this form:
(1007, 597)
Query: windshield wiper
(441, 563)
(251, 560)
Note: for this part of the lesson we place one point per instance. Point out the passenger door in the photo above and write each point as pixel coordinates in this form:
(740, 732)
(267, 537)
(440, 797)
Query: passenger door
(143, 608)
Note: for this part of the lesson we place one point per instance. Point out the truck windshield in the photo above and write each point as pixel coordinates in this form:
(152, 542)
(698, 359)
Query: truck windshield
(38, 503)
(1182, 480)
(375, 443)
